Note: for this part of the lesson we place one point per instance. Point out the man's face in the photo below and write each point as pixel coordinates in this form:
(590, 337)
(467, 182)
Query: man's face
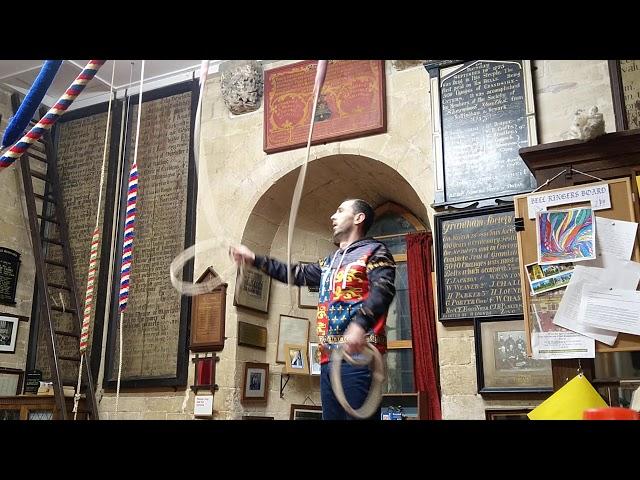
(343, 221)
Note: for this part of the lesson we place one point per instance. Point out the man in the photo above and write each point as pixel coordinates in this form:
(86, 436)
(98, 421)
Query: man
(356, 288)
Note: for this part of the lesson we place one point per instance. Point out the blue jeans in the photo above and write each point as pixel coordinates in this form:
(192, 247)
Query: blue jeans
(355, 383)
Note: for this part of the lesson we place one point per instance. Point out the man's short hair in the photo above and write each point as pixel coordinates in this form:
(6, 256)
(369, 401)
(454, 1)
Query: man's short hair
(360, 206)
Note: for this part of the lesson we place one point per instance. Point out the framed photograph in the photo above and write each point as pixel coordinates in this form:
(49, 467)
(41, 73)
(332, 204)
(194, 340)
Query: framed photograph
(292, 330)
(502, 363)
(543, 278)
(305, 412)
(8, 333)
(253, 291)
(255, 388)
(314, 359)
(507, 414)
(297, 362)
(10, 382)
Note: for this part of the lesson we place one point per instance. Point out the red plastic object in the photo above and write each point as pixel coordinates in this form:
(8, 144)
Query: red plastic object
(611, 413)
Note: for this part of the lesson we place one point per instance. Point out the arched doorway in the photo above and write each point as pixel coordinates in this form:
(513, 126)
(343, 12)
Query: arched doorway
(330, 180)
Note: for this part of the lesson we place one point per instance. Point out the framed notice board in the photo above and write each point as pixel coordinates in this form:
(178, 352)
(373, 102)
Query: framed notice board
(621, 198)
(483, 113)
(477, 264)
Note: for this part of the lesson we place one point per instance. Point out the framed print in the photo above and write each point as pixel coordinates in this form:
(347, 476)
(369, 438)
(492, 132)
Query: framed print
(10, 382)
(255, 388)
(8, 333)
(297, 362)
(351, 104)
(502, 363)
(305, 412)
(253, 291)
(507, 414)
(314, 359)
(293, 330)
(308, 296)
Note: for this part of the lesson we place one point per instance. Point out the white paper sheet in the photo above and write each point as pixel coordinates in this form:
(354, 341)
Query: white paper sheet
(611, 309)
(561, 344)
(615, 237)
(618, 274)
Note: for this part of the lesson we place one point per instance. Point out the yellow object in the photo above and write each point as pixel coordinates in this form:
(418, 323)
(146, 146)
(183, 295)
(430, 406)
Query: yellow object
(569, 402)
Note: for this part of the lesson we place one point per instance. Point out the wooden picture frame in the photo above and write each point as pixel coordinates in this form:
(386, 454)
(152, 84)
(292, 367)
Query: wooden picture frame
(502, 364)
(292, 330)
(253, 291)
(297, 361)
(208, 317)
(11, 381)
(352, 103)
(507, 414)
(255, 385)
(305, 412)
(8, 333)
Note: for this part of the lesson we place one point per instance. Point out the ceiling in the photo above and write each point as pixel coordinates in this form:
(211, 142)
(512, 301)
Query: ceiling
(19, 75)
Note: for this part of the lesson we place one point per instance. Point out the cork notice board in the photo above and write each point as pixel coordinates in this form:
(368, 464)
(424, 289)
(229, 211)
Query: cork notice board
(621, 209)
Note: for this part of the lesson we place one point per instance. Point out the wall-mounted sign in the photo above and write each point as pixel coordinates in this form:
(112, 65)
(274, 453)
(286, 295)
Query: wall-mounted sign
(9, 267)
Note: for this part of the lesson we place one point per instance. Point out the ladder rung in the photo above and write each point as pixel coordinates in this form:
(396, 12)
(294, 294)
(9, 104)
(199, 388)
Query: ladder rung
(57, 285)
(43, 198)
(48, 219)
(39, 175)
(38, 146)
(38, 157)
(63, 310)
(71, 359)
(51, 240)
(67, 334)
(57, 264)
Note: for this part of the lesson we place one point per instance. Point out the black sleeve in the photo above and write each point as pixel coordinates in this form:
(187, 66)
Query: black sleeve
(302, 273)
(381, 272)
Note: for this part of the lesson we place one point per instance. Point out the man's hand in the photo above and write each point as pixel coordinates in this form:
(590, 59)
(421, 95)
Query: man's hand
(242, 254)
(354, 338)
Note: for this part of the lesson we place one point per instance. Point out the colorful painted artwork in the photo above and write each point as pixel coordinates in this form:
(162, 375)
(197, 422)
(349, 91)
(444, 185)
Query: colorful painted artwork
(566, 236)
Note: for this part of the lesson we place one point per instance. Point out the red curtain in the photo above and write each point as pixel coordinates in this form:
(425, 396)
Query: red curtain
(423, 322)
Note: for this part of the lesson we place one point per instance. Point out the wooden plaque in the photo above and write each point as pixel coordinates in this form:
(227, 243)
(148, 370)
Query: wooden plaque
(351, 103)
(207, 319)
(251, 335)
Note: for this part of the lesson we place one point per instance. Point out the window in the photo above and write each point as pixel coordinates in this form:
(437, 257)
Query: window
(392, 225)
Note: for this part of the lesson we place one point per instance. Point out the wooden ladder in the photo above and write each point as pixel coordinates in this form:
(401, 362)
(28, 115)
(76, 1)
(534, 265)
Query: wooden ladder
(44, 222)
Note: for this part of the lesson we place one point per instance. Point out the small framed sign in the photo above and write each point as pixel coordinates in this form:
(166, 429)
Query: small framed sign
(9, 268)
(208, 317)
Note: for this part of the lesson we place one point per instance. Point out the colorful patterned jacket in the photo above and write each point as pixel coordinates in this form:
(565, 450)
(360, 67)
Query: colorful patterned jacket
(356, 284)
